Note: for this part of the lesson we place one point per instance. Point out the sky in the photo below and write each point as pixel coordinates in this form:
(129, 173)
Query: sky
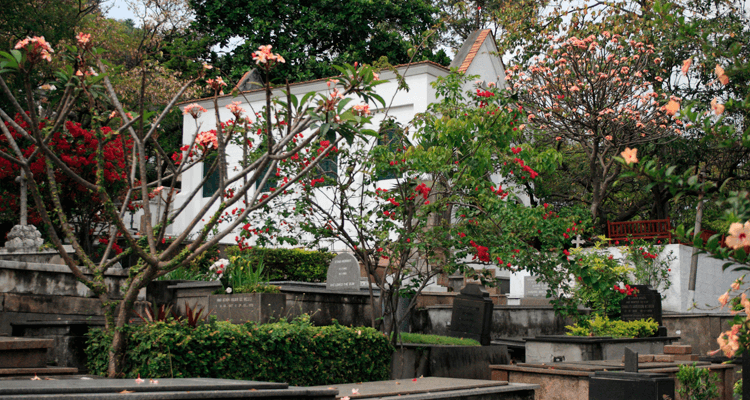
(118, 9)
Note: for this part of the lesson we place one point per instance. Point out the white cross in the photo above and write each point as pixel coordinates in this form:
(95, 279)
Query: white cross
(578, 241)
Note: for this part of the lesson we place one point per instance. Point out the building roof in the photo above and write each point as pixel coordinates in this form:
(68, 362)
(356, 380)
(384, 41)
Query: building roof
(468, 51)
(247, 75)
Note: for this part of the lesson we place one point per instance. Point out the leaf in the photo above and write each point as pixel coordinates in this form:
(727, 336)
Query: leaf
(342, 104)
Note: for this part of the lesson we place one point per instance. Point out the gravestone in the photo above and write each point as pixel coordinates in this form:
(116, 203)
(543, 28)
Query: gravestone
(243, 307)
(343, 273)
(534, 293)
(631, 360)
(644, 304)
(472, 314)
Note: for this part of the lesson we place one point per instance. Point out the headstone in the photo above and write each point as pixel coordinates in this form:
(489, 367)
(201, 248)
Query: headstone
(532, 288)
(631, 360)
(618, 385)
(472, 314)
(343, 273)
(243, 307)
(644, 304)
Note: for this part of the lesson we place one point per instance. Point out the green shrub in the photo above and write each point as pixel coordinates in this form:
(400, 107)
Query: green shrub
(603, 326)
(418, 338)
(697, 383)
(288, 264)
(297, 353)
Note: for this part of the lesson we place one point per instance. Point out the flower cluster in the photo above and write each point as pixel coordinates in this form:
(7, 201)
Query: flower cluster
(362, 109)
(264, 56)
(483, 253)
(194, 110)
(235, 109)
(37, 48)
(218, 268)
(423, 190)
(208, 139)
(627, 290)
(84, 40)
(216, 84)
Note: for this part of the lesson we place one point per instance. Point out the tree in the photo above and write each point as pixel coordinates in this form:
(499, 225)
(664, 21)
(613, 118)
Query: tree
(76, 148)
(439, 211)
(315, 35)
(156, 257)
(593, 96)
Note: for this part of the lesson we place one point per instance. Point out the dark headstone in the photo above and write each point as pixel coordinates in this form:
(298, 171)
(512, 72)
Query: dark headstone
(472, 314)
(644, 304)
(631, 360)
(609, 385)
(343, 273)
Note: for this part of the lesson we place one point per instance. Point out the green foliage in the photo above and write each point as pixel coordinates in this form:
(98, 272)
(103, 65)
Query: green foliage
(418, 338)
(603, 326)
(287, 264)
(318, 33)
(599, 283)
(256, 288)
(297, 353)
(649, 268)
(697, 383)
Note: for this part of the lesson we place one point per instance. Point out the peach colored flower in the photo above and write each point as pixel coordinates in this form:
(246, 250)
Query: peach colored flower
(193, 109)
(362, 109)
(630, 155)
(717, 107)
(739, 235)
(724, 299)
(672, 107)
(83, 39)
(686, 65)
(235, 109)
(720, 75)
(736, 285)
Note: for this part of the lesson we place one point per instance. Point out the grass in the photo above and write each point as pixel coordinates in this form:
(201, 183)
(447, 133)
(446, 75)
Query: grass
(418, 338)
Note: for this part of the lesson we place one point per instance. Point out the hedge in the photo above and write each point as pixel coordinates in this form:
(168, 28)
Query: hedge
(289, 264)
(297, 353)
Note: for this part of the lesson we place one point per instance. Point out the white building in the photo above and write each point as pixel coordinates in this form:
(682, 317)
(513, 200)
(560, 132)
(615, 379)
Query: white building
(478, 56)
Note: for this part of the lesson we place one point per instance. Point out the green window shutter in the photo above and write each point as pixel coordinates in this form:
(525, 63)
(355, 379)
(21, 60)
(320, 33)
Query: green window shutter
(271, 183)
(389, 137)
(212, 184)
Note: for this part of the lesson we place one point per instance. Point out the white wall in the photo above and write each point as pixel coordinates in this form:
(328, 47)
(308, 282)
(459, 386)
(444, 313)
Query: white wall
(711, 281)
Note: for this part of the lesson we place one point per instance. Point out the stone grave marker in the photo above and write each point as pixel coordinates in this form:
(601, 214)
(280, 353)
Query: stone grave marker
(472, 314)
(644, 304)
(343, 273)
(534, 293)
(243, 307)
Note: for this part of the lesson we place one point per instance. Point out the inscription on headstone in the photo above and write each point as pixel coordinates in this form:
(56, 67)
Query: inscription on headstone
(472, 314)
(646, 303)
(343, 273)
(532, 288)
(243, 307)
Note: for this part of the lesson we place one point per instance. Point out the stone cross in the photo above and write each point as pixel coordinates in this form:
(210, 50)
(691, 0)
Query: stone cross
(578, 241)
(24, 213)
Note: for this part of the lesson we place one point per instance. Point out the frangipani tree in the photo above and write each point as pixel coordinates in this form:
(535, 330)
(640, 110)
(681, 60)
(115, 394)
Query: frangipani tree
(596, 96)
(82, 77)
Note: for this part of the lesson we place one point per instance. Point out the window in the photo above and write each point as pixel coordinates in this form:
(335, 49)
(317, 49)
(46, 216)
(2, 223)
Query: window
(390, 136)
(270, 183)
(212, 184)
(328, 167)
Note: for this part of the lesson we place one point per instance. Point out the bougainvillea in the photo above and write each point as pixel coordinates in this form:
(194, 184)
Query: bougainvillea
(76, 147)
